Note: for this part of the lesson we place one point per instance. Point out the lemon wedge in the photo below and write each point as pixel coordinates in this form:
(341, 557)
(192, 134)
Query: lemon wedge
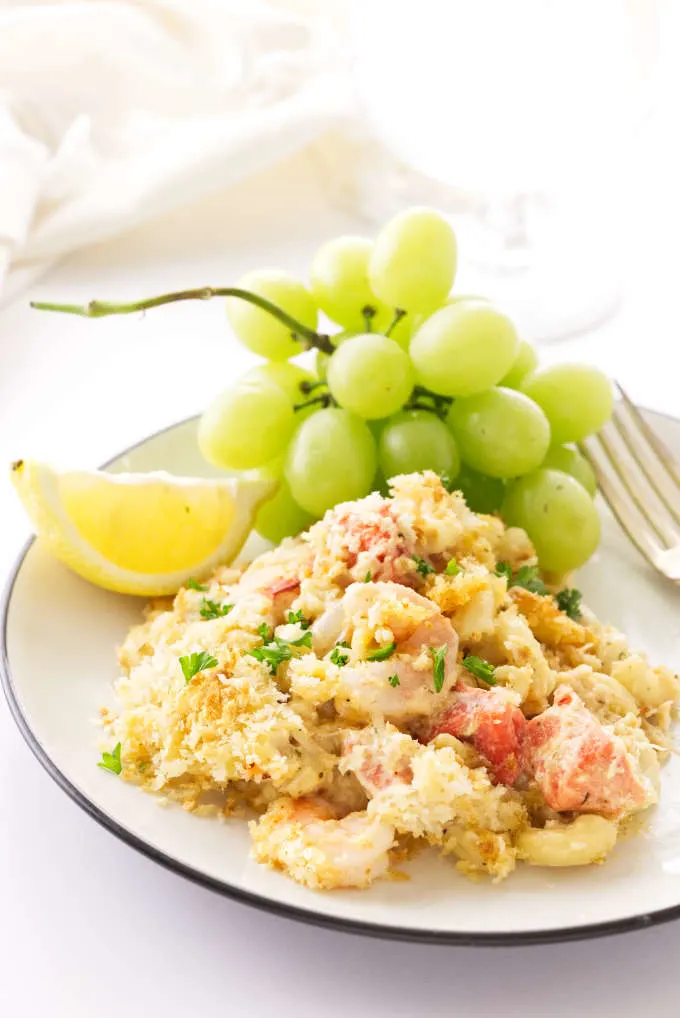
(139, 533)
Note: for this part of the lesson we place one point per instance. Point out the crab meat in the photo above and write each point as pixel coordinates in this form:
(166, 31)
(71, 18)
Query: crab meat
(492, 722)
(581, 765)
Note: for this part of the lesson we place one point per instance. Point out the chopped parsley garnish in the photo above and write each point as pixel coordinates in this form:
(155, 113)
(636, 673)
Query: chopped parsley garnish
(569, 601)
(452, 568)
(302, 641)
(111, 761)
(394, 681)
(297, 616)
(382, 653)
(338, 657)
(438, 669)
(214, 610)
(368, 577)
(526, 577)
(192, 664)
(423, 567)
(480, 668)
(448, 482)
(193, 584)
(263, 631)
(272, 654)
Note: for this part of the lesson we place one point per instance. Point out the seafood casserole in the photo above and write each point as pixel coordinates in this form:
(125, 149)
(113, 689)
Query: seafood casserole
(399, 675)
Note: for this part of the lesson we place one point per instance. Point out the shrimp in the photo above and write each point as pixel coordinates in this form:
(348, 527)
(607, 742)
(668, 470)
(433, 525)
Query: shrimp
(581, 765)
(275, 579)
(494, 724)
(402, 686)
(304, 838)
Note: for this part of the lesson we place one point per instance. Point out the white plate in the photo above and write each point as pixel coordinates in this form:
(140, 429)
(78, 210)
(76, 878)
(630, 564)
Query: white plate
(59, 638)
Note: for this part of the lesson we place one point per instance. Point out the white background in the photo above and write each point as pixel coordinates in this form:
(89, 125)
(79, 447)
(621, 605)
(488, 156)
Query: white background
(87, 926)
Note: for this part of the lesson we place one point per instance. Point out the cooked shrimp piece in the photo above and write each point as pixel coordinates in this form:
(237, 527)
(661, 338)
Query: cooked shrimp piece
(305, 839)
(579, 764)
(400, 687)
(492, 722)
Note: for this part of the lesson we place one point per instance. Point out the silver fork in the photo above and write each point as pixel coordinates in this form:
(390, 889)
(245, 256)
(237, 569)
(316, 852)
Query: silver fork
(640, 481)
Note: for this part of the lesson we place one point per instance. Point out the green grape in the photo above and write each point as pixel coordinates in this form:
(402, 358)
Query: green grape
(570, 461)
(413, 263)
(558, 515)
(417, 440)
(371, 376)
(280, 516)
(331, 459)
(577, 399)
(246, 426)
(501, 432)
(463, 349)
(525, 362)
(339, 284)
(287, 376)
(482, 494)
(453, 298)
(260, 331)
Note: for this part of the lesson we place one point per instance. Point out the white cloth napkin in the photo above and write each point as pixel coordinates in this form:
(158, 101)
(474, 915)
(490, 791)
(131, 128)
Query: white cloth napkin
(115, 111)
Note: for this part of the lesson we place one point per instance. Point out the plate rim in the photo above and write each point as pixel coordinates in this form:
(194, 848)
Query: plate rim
(586, 931)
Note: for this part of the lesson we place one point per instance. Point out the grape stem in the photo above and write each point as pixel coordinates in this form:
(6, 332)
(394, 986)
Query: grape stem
(101, 308)
(308, 387)
(368, 313)
(439, 404)
(325, 400)
(398, 315)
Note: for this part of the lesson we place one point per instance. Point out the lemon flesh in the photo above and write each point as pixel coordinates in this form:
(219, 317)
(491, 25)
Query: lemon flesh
(139, 533)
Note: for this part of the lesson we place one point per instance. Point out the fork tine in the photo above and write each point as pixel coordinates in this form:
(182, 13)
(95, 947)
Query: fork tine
(660, 447)
(648, 462)
(634, 525)
(648, 509)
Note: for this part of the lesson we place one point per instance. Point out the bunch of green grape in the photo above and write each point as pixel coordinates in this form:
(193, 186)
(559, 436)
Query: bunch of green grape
(415, 377)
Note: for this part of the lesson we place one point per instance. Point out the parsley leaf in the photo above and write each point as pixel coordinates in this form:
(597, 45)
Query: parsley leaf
(214, 610)
(569, 601)
(337, 656)
(382, 653)
(263, 631)
(527, 577)
(192, 664)
(438, 669)
(111, 761)
(480, 668)
(394, 681)
(368, 577)
(193, 584)
(423, 567)
(272, 654)
(302, 641)
(297, 616)
(452, 568)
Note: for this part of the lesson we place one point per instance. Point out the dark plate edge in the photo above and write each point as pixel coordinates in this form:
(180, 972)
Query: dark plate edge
(565, 934)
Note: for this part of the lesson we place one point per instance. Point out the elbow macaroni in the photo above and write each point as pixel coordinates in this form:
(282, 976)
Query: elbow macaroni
(586, 840)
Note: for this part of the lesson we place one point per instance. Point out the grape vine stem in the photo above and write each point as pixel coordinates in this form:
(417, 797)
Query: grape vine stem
(101, 308)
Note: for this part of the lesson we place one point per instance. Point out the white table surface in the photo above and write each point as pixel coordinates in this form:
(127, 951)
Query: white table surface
(87, 926)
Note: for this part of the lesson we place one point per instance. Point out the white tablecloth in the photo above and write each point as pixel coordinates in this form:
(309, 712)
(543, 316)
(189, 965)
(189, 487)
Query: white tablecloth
(90, 929)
